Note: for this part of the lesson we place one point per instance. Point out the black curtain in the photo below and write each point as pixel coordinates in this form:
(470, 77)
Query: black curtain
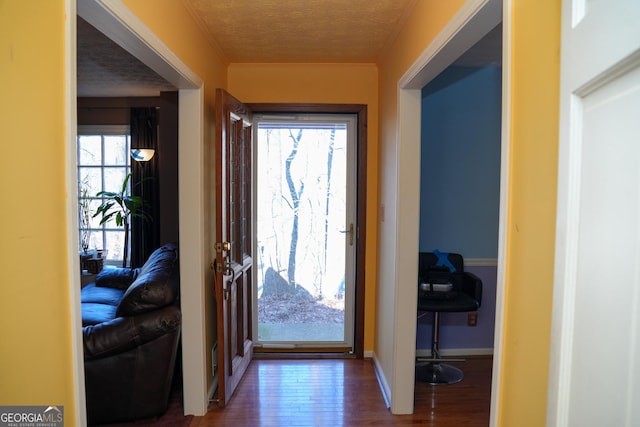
(145, 234)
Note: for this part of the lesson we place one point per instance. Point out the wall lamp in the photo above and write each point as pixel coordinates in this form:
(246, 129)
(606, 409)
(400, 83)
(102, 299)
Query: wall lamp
(142, 154)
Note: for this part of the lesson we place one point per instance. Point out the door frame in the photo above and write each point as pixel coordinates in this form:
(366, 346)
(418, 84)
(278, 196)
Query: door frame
(115, 20)
(360, 111)
(474, 19)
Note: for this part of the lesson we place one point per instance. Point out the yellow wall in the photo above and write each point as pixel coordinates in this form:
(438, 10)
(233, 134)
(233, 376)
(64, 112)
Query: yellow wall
(535, 63)
(333, 84)
(425, 22)
(35, 324)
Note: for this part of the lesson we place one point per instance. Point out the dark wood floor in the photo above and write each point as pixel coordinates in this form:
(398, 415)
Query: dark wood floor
(345, 392)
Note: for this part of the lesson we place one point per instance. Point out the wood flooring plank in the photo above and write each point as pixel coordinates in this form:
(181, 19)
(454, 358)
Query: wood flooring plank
(345, 392)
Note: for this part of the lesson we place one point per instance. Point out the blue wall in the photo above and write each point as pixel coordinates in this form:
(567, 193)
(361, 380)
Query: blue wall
(461, 125)
(460, 190)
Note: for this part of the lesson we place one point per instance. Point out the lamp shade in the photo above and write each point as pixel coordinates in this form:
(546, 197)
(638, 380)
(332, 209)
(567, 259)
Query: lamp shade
(142, 154)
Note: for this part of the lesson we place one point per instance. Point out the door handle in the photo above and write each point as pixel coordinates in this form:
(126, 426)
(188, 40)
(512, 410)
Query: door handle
(223, 246)
(350, 232)
(226, 291)
(224, 267)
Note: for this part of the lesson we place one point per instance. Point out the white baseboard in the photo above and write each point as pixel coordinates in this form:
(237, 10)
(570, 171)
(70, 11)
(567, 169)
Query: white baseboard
(382, 381)
(368, 354)
(426, 352)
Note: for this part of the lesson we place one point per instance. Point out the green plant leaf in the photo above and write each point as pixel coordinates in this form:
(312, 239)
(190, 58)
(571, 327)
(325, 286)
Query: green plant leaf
(120, 206)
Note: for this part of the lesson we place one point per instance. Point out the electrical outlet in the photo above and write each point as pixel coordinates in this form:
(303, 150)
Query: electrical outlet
(472, 318)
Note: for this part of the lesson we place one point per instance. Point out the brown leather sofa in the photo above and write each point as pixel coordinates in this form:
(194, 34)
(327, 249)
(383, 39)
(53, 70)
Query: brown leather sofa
(131, 328)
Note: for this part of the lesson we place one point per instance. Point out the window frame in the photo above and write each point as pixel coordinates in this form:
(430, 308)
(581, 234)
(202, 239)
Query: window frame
(102, 131)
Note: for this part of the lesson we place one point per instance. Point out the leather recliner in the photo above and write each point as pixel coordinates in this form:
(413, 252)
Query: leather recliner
(131, 329)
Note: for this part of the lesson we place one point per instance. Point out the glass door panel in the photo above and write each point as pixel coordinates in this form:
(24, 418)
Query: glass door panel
(305, 230)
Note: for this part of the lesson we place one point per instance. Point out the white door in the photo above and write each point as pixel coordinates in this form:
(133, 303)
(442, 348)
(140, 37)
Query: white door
(595, 360)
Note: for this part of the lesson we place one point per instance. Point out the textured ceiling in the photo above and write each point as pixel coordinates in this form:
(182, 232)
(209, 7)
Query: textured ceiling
(300, 30)
(105, 69)
(284, 31)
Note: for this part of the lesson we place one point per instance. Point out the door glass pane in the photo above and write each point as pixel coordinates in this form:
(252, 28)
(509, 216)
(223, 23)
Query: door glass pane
(301, 224)
(239, 177)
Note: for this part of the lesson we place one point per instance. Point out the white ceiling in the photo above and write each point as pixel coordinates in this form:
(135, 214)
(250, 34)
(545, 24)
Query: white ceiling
(283, 31)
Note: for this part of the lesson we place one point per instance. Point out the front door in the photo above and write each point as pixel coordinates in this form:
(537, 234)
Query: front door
(595, 356)
(306, 231)
(234, 260)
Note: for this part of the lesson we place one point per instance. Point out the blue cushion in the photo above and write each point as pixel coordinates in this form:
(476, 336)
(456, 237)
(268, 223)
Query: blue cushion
(116, 277)
(99, 294)
(94, 313)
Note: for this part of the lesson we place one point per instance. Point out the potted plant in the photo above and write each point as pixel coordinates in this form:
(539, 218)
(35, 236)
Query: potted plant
(121, 207)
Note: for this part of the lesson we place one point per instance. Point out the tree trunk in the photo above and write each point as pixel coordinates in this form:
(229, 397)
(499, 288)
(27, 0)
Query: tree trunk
(327, 199)
(295, 199)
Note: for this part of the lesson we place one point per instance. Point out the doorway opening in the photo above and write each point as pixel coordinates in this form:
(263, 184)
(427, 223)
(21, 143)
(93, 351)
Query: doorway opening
(310, 200)
(114, 21)
(305, 230)
(464, 29)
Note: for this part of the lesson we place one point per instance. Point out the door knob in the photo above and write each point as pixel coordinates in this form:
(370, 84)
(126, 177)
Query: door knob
(223, 246)
(350, 231)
